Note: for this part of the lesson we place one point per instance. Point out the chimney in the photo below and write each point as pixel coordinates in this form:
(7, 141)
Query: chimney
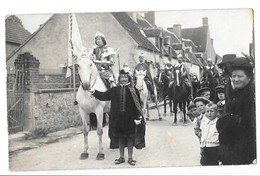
(177, 30)
(205, 21)
(133, 15)
(150, 17)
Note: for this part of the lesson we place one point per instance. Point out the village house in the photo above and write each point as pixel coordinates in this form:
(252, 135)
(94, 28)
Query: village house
(129, 33)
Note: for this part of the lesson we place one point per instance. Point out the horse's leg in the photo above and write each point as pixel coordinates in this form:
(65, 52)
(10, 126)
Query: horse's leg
(184, 112)
(164, 104)
(159, 114)
(99, 114)
(175, 112)
(171, 109)
(85, 120)
(146, 105)
(181, 110)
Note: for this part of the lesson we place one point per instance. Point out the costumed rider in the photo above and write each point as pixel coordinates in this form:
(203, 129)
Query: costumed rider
(103, 57)
(212, 69)
(184, 71)
(148, 78)
(168, 72)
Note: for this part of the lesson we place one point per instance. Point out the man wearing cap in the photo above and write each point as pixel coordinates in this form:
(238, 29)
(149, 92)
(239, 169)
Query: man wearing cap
(225, 65)
(103, 57)
(200, 103)
(148, 78)
(220, 98)
(204, 92)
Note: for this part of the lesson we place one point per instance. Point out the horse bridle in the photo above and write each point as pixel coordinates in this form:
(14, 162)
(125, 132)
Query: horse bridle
(90, 77)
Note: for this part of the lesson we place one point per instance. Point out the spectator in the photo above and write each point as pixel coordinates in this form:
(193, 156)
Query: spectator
(209, 136)
(220, 99)
(237, 129)
(204, 92)
(200, 103)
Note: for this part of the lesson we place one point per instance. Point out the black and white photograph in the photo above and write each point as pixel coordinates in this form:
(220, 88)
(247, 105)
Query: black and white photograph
(130, 91)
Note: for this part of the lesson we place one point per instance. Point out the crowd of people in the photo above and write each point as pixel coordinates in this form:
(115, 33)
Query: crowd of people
(225, 125)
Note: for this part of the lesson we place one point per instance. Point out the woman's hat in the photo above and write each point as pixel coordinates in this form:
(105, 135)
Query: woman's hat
(202, 99)
(219, 88)
(227, 59)
(242, 62)
(200, 91)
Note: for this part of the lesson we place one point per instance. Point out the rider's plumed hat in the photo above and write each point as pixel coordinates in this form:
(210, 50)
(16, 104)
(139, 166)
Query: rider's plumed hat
(202, 99)
(122, 71)
(99, 34)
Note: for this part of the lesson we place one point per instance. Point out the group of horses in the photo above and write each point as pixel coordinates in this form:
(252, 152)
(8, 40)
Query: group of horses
(90, 79)
(172, 87)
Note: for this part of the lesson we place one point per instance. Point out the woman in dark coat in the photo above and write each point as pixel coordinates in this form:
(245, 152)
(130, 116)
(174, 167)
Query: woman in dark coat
(125, 114)
(237, 128)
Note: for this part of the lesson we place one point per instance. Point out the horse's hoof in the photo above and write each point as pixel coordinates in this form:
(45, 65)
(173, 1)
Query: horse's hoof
(147, 119)
(160, 118)
(174, 124)
(100, 156)
(83, 156)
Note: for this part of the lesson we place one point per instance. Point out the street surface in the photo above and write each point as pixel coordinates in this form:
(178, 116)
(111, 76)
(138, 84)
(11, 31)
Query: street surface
(166, 146)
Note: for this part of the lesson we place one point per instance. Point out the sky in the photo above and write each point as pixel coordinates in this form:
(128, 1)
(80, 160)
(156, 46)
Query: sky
(219, 26)
(231, 29)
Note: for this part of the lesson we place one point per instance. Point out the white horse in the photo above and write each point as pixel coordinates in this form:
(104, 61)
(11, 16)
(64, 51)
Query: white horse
(90, 79)
(143, 91)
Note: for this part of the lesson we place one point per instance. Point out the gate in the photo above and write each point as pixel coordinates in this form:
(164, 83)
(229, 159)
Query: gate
(15, 103)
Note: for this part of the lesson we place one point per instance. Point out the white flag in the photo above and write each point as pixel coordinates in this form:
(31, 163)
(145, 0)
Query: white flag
(75, 47)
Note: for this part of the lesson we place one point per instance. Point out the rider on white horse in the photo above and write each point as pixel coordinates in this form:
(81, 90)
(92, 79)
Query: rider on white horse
(148, 78)
(103, 57)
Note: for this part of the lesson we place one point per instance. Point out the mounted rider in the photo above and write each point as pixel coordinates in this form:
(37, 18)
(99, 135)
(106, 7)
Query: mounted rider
(212, 69)
(148, 78)
(168, 72)
(103, 57)
(185, 71)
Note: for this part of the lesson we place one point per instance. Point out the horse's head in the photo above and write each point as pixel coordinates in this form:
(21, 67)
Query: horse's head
(87, 70)
(177, 75)
(140, 75)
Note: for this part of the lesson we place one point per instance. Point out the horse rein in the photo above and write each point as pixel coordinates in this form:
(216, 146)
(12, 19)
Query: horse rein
(90, 77)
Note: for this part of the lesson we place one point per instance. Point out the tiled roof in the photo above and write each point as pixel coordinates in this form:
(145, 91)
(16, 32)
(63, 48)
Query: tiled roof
(193, 59)
(132, 28)
(28, 39)
(15, 33)
(173, 37)
(189, 43)
(143, 23)
(198, 36)
(153, 32)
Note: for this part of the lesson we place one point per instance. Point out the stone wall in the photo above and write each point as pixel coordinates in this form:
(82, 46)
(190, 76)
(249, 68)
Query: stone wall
(54, 110)
(48, 99)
